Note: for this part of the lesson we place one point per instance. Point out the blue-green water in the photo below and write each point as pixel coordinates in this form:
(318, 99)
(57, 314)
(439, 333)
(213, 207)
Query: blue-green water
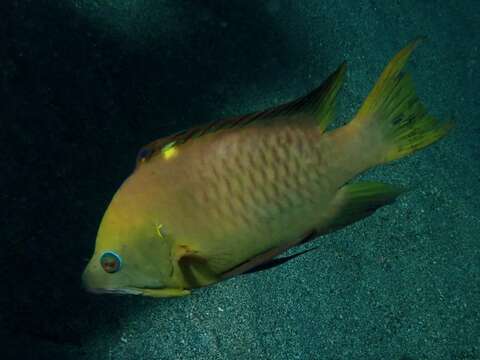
(86, 83)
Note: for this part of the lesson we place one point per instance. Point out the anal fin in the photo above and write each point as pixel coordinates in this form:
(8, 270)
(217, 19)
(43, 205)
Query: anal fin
(359, 200)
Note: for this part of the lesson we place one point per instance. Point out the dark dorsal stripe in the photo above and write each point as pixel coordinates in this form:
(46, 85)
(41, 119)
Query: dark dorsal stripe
(317, 106)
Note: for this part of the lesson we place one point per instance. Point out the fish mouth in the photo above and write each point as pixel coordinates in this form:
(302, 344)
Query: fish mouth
(150, 292)
(125, 291)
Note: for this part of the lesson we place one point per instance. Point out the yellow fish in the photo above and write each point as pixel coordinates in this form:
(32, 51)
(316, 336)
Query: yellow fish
(223, 199)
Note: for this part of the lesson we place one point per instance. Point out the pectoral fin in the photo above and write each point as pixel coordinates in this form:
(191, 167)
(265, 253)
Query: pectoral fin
(194, 267)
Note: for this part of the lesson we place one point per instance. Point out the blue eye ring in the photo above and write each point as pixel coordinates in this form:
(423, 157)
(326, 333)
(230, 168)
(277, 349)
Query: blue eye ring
(110, 261)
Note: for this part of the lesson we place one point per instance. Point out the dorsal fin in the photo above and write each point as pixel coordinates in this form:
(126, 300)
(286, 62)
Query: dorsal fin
(318, 105)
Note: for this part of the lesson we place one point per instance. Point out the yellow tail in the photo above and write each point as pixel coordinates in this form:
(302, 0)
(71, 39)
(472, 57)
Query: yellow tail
(393, 109)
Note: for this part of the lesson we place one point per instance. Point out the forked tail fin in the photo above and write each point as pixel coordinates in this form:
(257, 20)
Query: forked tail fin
(393, 111)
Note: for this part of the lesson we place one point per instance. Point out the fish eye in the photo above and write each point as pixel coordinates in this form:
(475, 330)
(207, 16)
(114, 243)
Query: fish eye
(111, 262)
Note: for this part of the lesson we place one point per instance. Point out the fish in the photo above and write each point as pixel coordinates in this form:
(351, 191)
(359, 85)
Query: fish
(230, 197)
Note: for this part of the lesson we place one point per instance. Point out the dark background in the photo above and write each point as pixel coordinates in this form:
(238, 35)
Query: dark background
(83, 87)
(77, 103)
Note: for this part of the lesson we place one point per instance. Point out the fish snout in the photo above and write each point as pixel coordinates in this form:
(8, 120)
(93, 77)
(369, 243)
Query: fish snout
(86, 279)
(92, 278)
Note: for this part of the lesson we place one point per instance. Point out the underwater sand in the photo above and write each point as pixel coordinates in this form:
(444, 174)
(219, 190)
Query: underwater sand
(85, 85)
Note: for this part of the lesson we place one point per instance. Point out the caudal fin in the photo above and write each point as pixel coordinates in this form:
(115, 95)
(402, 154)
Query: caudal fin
(393, 109)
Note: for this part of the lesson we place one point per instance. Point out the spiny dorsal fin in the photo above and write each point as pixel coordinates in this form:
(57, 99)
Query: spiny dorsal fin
(318, 106)
(320, 103)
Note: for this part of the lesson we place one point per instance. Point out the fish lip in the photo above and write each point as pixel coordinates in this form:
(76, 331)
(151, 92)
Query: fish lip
(122, 291)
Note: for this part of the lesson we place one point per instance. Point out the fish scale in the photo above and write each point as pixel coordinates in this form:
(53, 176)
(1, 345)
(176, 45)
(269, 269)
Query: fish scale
(261, 198)
(226, 198)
